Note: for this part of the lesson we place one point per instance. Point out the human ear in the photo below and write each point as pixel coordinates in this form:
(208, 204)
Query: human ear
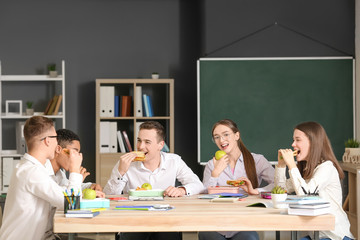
(237, 136)
(58, 149)
(161, 145)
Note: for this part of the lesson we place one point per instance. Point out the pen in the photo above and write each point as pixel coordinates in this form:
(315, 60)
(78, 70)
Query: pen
(133, 208)
(127, 206)
(97, 209)
(315, 190)
(67, 198)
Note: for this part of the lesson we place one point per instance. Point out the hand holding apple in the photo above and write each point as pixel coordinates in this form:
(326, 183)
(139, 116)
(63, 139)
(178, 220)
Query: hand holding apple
(220, 164)
(219, 154)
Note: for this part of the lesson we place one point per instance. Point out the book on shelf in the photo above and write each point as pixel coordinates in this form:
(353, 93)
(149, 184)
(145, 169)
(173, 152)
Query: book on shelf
(48, 106)
(309, 209)
(121, 142)
(127, 141)
(116, 106)
(108, 137)
(126, 106)
(113, 137)
(151, 113)
(138, 102)
(146, 106)
(104, 136)
(107, 96)
(51, 108)
(57, 106)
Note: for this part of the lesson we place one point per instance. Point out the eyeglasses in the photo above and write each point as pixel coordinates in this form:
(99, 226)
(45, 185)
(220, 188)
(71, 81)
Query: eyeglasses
(48, 137)
(225, 136)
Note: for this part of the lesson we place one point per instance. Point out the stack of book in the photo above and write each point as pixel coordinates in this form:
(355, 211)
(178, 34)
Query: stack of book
(53, 105)
(124, 142)
(311, 209)
(307, 205)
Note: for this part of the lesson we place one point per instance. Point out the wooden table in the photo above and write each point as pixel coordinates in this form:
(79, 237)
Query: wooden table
(193, 215)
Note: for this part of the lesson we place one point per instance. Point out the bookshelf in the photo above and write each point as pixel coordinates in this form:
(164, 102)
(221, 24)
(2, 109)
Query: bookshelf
(40, 89)
(352, 203)
(161, 93)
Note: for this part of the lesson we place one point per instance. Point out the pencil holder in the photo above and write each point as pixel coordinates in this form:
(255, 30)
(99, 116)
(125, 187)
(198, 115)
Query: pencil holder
(71, 202)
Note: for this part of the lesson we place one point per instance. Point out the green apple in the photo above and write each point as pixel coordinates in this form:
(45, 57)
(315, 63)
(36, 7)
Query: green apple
(146, 186)
(89, 194)
(219, 154)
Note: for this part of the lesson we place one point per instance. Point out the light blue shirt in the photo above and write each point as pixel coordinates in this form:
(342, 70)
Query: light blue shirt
(264, 171)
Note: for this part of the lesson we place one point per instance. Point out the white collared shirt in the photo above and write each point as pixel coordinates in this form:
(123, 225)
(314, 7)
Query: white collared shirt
(61, 179)
(171, 168)
(326, 180)
(29, 199)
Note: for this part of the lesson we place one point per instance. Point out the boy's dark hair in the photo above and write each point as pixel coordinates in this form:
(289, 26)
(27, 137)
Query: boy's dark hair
(65, 137)
(160, 130)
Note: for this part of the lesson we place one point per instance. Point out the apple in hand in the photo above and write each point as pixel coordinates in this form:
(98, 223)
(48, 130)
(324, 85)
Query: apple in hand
(146, 186)
(89, 193)
(219, 154)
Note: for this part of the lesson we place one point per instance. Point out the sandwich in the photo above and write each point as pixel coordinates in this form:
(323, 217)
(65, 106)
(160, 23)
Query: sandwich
(235, 183)
(67, 151)
(140, 156)
(295, 153)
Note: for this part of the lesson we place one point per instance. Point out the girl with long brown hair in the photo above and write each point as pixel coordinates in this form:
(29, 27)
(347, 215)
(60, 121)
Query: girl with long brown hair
(316, 170)
(238, 163)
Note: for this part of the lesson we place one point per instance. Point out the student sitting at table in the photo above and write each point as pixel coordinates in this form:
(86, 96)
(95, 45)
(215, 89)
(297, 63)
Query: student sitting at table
(159, 169)
(317, 171)
(58, 166)
(238, 163)
(32, 192)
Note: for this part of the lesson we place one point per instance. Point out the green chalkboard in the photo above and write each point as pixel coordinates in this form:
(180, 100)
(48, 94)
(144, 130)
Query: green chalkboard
(267, 98)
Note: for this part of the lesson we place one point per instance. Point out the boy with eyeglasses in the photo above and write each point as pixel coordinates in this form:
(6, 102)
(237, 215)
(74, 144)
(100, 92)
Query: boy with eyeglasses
(32, 192)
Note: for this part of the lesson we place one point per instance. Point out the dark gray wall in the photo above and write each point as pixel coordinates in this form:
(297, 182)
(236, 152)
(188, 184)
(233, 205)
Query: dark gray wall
(305, 28)
(132, 38)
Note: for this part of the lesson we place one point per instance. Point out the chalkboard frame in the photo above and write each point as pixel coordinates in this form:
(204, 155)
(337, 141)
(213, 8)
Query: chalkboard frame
(202, 102)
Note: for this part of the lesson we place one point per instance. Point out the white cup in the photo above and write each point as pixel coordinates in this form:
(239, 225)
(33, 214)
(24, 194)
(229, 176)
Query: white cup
(276, 198)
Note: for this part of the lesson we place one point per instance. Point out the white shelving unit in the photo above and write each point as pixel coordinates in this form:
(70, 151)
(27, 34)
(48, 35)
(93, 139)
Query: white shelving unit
(57, 85)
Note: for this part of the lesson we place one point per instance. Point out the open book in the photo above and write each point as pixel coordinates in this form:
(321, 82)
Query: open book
(264, 204)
